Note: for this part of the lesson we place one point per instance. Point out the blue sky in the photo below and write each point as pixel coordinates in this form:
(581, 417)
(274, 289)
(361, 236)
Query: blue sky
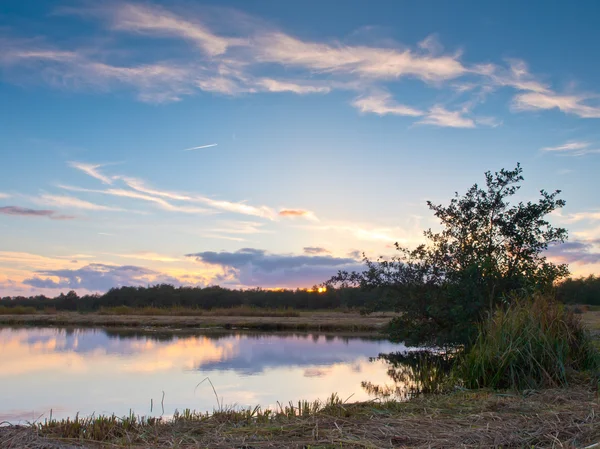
(323, 131)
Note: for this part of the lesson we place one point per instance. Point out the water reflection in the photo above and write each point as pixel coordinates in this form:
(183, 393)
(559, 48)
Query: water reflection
(97, 371)
(412, 373)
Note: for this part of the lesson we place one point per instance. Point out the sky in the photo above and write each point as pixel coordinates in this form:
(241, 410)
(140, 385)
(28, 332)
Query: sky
(269, 143)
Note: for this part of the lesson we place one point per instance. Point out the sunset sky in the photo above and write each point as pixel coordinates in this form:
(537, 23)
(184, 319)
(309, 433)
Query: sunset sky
(267, 143)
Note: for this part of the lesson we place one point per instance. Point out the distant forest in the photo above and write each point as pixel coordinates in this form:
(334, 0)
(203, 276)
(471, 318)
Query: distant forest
(570, 291)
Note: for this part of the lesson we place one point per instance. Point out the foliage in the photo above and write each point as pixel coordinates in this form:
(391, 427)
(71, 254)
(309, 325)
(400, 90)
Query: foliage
(532, 343)
(169, 297)
(19, 310)
(487, 250)
(579, 291)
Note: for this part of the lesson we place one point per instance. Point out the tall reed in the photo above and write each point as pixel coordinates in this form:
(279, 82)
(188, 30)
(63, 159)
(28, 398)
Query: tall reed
(533, 343)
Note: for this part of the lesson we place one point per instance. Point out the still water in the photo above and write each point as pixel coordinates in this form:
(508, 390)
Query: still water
(85, 371)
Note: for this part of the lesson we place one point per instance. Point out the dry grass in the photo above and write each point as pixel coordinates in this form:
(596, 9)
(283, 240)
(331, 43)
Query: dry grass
(186, 311)
(306, 321)
(558, 418)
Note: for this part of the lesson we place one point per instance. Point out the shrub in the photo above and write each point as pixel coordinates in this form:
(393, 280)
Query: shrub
(533, 343)
(17, 310)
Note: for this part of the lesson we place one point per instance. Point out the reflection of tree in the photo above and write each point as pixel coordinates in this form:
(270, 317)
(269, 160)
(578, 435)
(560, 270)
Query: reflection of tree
(413, 373)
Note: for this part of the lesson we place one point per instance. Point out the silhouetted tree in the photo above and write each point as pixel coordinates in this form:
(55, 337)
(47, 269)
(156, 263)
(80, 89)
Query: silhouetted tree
(486, 251)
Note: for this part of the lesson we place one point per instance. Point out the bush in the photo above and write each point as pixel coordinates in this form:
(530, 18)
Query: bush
(17, 310)
(532, 343)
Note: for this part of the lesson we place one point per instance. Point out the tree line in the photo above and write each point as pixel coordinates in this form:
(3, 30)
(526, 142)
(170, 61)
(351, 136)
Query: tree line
(167, 296)
(570, 291)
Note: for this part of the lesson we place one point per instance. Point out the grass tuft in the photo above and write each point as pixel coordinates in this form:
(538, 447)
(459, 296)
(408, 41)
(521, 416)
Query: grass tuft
(533, 343)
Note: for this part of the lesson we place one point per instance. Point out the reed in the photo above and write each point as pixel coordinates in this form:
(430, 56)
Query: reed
(531, 344)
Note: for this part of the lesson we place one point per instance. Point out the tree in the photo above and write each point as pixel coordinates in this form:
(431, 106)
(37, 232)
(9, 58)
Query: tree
(487, 252)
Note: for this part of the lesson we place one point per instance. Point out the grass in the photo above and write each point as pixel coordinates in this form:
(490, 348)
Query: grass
(534, 343)
(243, 311)
(469, 419)
(17, 310)
(263, 320)
(150, 311)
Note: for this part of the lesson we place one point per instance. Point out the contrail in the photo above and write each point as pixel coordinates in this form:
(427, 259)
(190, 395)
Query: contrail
(203, 146)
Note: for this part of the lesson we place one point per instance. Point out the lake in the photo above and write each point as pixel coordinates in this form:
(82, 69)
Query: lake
(85, 371)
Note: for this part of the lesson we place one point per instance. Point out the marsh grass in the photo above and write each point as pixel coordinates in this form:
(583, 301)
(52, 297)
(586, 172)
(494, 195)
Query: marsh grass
(242, 311)
(533, 343)
(17, 310)
(550, 418)
(150, 311)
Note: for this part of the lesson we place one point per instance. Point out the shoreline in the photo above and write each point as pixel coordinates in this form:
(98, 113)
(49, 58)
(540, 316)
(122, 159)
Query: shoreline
(567, 417)
(335, 322)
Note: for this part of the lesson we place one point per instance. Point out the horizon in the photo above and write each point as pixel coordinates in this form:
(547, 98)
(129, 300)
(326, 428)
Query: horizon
(270, 144)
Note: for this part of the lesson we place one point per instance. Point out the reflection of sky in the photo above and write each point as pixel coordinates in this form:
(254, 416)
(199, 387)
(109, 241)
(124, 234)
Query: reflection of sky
(91, 371)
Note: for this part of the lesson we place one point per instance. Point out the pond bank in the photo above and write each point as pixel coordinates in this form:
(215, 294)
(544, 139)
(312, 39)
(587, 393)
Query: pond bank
(548, 418)
(306, 321)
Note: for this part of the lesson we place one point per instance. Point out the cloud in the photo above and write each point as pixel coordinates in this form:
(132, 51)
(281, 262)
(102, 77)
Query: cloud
(569, 104)
(256, 267)
(72, 203)
(155, 83)
(4, 195)
(148, 255)
(516, 76)
(577, 252)
(572, 149)
(228, 206)
(377, 234)
(232, 57)
(91, 170)
(158, 21)
(272, 85)
(123, 193)
(583, 216)
(383, 104)
(314, 250)
(25, 212)
(298, 213)
(141, 191)
(98, 277)
(201, 146)
(438, 116)
(371, 62)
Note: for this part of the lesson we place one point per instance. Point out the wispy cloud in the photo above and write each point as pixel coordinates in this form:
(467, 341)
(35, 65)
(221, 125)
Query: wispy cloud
(149, 255)
(4, 195)
(140, 191)
(234, 62)
(91, 170)
(228, 206)
(72, 203)
(383, 104)
(572, 149)
(158, 21)
(371, 62)
(123, 193)
(26, 212)
(201, 146)
(438, 116)
(273, 85)
(569, 104)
